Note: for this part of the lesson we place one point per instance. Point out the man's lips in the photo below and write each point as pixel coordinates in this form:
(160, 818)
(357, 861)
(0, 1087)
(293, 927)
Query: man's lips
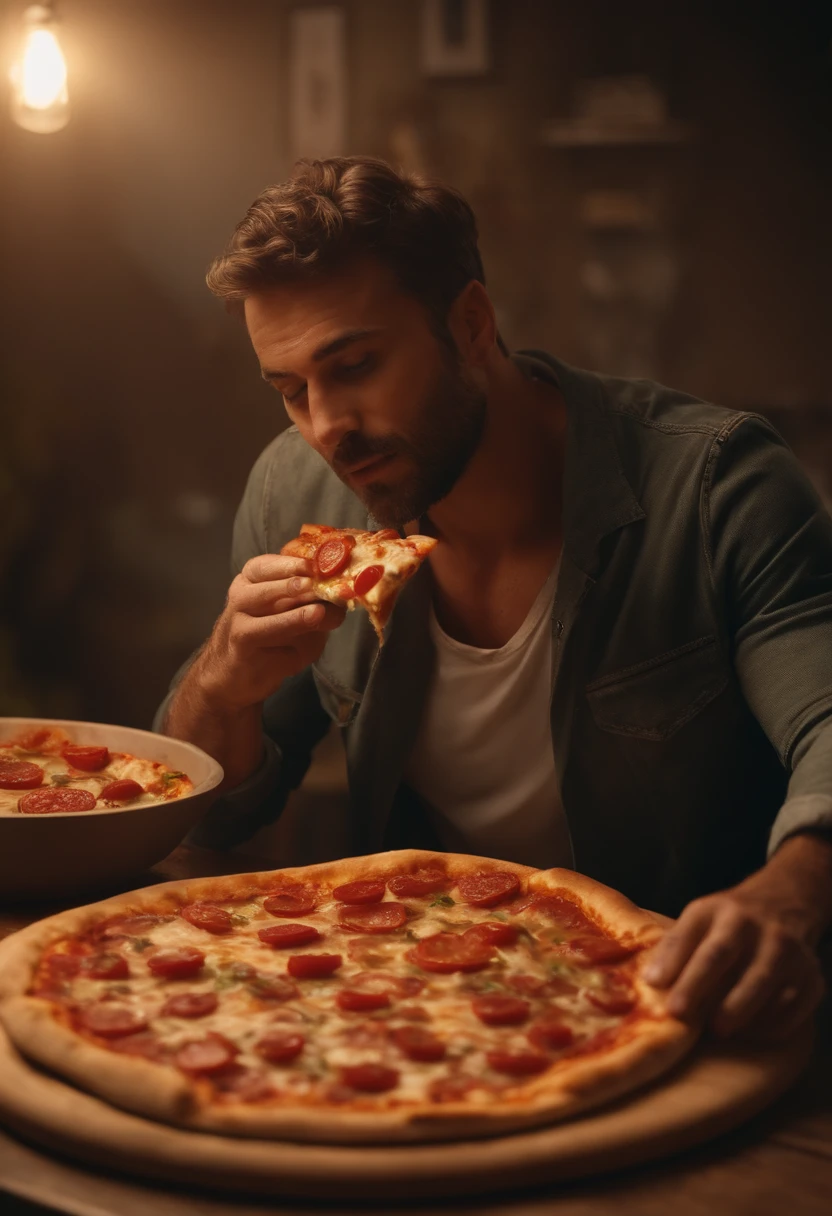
(366, 469)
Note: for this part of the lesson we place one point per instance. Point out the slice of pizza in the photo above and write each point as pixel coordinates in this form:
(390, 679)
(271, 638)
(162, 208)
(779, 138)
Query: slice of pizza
(368, 568)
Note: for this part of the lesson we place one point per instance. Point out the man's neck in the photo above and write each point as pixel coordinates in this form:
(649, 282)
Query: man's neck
(509, 497)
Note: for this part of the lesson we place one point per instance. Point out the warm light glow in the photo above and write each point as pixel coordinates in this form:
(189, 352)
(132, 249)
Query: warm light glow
(40, 101)
(44, 71)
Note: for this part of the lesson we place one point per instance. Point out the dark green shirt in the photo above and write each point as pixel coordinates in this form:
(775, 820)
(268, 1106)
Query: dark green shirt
(692, 637)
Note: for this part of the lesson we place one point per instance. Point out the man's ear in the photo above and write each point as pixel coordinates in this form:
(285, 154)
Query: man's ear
(473, 325)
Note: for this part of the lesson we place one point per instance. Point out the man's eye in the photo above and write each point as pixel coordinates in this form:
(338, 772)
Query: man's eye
(360, 366)
(294, 397)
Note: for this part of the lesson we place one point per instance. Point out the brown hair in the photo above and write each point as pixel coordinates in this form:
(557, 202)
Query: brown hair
(331, 210)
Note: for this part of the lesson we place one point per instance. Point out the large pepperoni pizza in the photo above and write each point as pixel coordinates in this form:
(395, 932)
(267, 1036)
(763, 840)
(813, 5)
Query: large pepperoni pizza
(403, 996)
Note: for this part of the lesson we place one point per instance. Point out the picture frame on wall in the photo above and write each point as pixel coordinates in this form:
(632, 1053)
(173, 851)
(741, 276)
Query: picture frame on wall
(317, 81)
(455, 37)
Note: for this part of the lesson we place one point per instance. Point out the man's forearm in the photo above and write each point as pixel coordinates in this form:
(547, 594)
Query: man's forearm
(234, 737)
(797, 883)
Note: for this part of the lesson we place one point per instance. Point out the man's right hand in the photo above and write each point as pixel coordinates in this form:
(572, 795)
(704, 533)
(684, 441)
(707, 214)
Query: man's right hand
(272, 627)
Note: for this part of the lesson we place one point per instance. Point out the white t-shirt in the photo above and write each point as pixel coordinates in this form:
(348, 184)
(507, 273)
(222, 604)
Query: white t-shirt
(483, 759)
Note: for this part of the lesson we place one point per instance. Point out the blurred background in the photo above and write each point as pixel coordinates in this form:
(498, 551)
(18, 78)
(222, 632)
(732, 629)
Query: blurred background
(653, 184)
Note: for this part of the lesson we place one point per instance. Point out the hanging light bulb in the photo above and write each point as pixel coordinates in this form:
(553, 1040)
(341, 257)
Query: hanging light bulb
(40, 101)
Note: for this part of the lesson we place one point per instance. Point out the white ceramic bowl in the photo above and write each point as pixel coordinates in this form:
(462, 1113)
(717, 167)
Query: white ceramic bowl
(52, 856)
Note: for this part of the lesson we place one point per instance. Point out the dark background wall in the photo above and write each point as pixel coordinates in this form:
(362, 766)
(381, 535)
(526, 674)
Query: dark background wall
(130, 405)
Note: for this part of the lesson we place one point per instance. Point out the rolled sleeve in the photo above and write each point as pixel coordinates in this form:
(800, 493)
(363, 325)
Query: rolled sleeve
(809, 813)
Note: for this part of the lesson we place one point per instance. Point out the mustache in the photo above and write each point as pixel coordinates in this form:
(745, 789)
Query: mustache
(355, 448)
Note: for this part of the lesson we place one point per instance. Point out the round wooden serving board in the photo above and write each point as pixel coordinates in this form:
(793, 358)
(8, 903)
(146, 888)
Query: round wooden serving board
(716, 1089)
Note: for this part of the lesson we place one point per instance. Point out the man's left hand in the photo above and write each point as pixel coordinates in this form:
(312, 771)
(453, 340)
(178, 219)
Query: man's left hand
(742, 960)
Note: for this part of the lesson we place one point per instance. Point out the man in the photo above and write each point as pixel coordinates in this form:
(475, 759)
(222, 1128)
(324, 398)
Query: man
(619, 656)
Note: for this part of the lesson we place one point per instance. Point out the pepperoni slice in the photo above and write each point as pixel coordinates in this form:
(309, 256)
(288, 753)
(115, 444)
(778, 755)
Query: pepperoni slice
(206, 1055)
(549, 1034)
(486, 889)
(517, 1063)
(528, 985)
(615, 1001)
(556, 908)
(333, 555)
(377, 918)
(448, 952)
(56, 799)
(353, 1000)
(410, 985)
(421, 882)
(293, 901)
(144, 1044)
(63, 966)
(370, 1078)
(124, 790)
(237, 1083)
(208, 917)
(289, 935)
(418, 1044)
(280, 1047)
(368, 892)
(313, 966)
(176, 964)
(20, 775)
(367, 578)
(110, 1020)
(595, 950)
(501, 1010)
(131, 926)
(106, 966)
(189, 1005)
(493, 933)
(89, 759)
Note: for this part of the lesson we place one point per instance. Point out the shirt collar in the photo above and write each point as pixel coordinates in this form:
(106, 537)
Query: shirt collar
(597, 497)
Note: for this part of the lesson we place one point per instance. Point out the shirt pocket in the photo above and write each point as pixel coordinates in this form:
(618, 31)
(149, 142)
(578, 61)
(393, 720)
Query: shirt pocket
(654, 699)
(341, 703)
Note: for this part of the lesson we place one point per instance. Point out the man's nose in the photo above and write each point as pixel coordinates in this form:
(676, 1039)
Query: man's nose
(332, 416)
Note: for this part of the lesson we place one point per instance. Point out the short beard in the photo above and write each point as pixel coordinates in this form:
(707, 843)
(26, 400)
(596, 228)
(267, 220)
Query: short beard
(449, 432)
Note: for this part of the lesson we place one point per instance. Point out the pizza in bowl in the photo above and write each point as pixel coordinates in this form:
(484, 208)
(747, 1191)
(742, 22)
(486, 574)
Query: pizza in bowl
(44, 772)
(404, 996)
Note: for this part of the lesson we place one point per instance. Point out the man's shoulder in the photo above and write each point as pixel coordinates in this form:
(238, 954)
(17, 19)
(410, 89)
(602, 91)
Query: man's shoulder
(290, 485)
(655, 406)
(647, 404)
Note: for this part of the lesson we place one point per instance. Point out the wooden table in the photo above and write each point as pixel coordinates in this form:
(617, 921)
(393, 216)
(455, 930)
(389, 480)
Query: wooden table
(778, 1165)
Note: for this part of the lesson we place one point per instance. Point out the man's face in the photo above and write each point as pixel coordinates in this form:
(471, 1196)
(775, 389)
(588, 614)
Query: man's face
(369, 386)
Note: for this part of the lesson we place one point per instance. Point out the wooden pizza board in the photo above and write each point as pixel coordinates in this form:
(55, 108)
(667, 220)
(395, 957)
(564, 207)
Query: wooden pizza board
(714, 1090)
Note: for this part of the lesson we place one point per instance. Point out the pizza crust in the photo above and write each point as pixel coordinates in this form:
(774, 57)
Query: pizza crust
(157, 1092)
(645, 1048)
